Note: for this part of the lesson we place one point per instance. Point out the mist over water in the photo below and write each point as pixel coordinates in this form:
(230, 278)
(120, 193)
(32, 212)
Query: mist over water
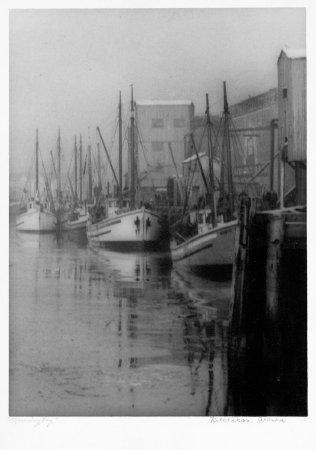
(110, 333)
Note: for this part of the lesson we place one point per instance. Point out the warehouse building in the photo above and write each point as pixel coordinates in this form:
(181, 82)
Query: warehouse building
(292, 118)
(160, 125)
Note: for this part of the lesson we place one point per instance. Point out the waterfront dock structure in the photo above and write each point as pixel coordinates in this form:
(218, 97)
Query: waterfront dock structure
(268, 314)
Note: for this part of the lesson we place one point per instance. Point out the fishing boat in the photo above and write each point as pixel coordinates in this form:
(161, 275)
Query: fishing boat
(38, 215)
(62, 209)
(76, 223)
(124, 228)
(118, 223)
(205, 238)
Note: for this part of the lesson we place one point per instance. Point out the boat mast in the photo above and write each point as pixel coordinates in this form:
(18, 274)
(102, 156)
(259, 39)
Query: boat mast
(108, 157)
(177, 174)
(132, 152)
(211, 161)
(80, 170)
(200, 165)
(120, 155)
(226, 143)
(89, 174)
(59, 169)
(99, 166)
(76, 171)
(36, 165)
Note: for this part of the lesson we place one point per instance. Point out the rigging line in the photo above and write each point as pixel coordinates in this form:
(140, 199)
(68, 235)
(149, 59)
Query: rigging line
(216, 143)
(114, 134)
(95, 166)
(106, 164)
(211, 162)
(50, 175)
(65, 181)
(110, 147)
(144, 153)
(142, 143)
(115, 156)
(27, 181)
(125, 119)
(48, 186)
(112, 143)
(193, 173)
(200, 165)
(188, 190)
(199, 148)
(110, 119)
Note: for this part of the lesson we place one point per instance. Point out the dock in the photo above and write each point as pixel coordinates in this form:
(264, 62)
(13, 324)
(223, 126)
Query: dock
(268, 314)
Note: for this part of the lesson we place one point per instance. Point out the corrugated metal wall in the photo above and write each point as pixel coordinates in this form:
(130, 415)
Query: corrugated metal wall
(292, 105)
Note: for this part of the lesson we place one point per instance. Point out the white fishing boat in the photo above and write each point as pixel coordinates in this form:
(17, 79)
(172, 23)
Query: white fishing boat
(125, 228)
(210, 247)
(37, 215)
(118, 223)
(77, 221)
(207, 239)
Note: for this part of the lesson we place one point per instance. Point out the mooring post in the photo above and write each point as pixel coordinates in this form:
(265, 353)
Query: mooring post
(240, 287)
(272, 335)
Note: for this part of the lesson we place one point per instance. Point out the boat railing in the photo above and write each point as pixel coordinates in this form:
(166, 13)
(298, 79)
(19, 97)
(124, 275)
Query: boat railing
(179, 237)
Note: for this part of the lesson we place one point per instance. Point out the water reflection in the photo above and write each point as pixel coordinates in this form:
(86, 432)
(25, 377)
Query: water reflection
(107, 333)
(205, 335)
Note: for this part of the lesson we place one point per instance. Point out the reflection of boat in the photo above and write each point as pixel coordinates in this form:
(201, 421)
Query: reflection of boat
(138, 266)
(37, 215)
(205, 334)
(203, 291)
(207, 237)
(46, 241)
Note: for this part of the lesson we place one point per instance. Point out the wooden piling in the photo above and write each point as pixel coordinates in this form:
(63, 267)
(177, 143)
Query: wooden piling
(275, 236)
(265, 338)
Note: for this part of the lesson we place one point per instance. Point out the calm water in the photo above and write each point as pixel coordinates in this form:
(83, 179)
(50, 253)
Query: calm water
(107, 333)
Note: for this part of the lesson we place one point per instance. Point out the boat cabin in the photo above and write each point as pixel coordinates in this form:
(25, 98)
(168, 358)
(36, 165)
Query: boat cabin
(35, 204)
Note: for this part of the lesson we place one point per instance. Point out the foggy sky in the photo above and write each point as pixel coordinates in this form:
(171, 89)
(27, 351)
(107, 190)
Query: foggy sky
(67, 66)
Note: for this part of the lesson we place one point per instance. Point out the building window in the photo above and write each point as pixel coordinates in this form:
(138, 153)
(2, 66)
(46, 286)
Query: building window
(157, 123)
(284, 92)
(157, 146)
(179, 123)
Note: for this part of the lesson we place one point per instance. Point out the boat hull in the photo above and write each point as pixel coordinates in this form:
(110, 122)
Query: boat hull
(212, 249)
(62, 219)
(77, 225)
(137, 229)
(36, 221)
(77, 229)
